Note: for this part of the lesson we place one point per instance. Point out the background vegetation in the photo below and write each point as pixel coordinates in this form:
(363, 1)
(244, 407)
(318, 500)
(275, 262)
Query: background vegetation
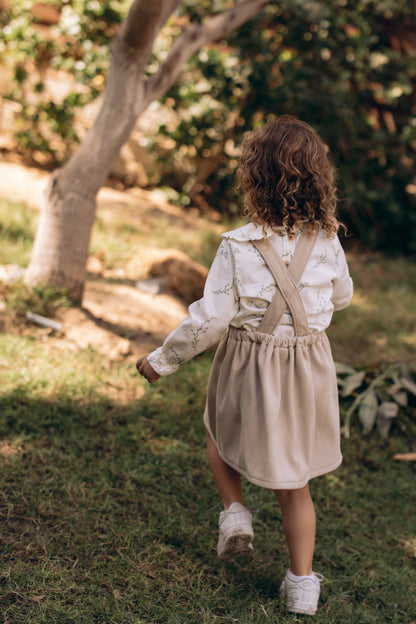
(348, 68)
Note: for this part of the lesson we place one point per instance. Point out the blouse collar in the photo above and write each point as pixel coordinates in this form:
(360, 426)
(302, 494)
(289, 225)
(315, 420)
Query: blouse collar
(253, 231)
(250, 231)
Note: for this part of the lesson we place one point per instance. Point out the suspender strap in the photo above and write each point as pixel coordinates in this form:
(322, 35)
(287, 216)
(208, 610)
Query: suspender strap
(287, 278)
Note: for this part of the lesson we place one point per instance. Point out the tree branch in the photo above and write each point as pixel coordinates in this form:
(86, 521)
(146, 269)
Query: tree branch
(144, 20)
(192, 39)
(130, 54)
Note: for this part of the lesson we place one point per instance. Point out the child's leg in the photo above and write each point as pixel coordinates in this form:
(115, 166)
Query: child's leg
(228, 480)
(299, 523)
(235, 530)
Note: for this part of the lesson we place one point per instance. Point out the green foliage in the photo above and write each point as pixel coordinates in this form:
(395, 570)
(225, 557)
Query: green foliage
(17, 229)
(380, 397)
(78, 45)
(16, 223)
(18, 300)
(39, 299)
(347, 68)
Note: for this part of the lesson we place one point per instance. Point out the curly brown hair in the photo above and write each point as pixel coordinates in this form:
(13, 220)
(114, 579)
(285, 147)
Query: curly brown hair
(287, 178)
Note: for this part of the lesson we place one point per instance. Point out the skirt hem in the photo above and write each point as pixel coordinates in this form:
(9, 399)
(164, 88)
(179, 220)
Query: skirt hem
(276, 485)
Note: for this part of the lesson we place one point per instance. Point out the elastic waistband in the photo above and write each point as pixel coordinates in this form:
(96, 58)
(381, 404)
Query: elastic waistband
(235, 333)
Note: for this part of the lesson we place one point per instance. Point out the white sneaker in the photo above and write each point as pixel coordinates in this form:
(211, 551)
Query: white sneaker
(236, 532)
(301, 596)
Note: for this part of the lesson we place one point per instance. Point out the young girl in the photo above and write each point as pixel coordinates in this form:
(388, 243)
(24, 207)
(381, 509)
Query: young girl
(272, 405)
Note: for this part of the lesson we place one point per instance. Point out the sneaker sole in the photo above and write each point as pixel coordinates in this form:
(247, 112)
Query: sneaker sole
(235, 545)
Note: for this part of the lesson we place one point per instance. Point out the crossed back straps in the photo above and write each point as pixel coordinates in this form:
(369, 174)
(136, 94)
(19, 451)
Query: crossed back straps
(287, 278)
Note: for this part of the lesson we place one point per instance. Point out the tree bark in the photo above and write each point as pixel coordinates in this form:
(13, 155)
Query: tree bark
(60, 250)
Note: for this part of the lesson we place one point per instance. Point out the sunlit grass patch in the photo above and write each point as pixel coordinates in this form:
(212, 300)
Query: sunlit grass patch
(20, 298)
(379, 325)
(408, 339)
(11, 447)
(17, 230)
(29, 367)
(409, 546)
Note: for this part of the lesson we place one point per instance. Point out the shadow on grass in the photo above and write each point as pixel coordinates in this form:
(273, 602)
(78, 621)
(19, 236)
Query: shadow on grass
(103, 515)
(109, 514)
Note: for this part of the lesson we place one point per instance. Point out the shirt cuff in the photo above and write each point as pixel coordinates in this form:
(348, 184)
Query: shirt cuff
(161, 364)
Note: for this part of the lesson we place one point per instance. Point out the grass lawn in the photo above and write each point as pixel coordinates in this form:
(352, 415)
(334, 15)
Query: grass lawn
(108, 513)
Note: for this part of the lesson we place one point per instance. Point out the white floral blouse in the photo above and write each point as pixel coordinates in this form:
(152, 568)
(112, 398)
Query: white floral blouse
(239, 287)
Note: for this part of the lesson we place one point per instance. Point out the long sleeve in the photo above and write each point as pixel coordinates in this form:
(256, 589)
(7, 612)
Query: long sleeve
(207, 319)
(342, 285)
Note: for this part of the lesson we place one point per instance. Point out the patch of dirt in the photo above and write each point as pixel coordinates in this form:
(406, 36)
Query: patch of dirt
(119, 317)
(118, 320)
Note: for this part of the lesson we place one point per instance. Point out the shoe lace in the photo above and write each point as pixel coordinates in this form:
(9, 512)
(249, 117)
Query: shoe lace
(320, 577)
(237, 511)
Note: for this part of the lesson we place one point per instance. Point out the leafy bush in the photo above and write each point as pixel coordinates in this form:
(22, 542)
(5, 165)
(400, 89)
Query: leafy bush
(78, 44)
(378, 398)
(347, 68)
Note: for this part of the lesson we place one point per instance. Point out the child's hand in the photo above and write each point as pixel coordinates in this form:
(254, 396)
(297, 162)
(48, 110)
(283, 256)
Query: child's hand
(146, 370)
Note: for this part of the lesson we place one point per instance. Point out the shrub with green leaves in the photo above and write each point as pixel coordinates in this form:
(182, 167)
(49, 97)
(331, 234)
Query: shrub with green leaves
(347, 68)
(78, 44)
(378, 397)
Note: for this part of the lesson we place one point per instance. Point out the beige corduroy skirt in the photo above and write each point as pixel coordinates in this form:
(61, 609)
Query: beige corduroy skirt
(272, 407)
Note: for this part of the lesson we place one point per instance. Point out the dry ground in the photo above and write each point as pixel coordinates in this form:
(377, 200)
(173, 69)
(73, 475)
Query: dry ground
(117, 318)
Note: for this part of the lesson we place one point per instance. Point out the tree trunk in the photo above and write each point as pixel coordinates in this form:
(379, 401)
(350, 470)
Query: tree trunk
(60, 250)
